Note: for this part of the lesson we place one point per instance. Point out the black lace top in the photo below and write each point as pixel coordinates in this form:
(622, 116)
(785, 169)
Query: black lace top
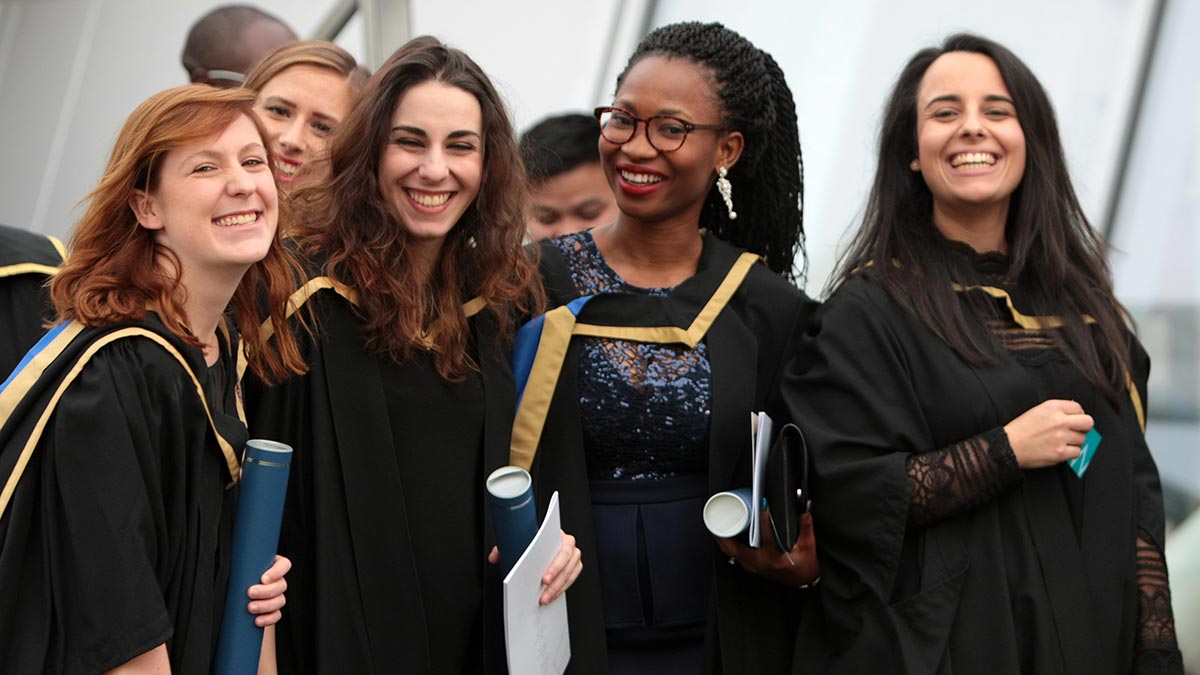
(973, 472)
(644, 407)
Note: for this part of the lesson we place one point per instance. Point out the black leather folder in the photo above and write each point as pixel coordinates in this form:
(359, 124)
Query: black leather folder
(786, 487)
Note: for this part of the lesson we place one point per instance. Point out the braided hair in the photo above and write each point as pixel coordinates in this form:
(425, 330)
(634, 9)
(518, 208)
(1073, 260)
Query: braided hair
(768, 179)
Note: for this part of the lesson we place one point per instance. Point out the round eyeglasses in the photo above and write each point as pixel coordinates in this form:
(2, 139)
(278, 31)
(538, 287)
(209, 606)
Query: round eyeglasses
(664, 132)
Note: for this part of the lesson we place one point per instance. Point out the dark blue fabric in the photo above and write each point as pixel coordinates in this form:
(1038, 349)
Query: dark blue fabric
(644, 407)
(654, 557)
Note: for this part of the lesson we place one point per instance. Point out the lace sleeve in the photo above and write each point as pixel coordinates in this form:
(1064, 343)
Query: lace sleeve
(960, 477)
(1157, 650)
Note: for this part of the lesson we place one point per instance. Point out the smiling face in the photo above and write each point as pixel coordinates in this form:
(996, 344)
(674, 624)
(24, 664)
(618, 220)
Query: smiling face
(432, 166)
(971, 147)
(654, 186)
(214, 204)
(300, 107)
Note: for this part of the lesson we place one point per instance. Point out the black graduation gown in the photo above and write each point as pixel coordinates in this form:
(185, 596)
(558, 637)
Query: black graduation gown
(1006, 588)
(116, 539)
(751, 628)
(355, 600)
(26, 262)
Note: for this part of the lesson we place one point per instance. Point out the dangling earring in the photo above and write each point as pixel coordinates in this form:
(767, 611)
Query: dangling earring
(726, 190)
(915, 165)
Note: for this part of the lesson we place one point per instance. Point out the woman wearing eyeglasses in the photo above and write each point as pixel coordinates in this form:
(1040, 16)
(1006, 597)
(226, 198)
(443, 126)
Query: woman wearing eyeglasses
(647, 420)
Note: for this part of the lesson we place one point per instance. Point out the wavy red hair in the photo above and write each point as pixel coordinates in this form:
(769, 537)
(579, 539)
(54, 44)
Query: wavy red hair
(113, 273)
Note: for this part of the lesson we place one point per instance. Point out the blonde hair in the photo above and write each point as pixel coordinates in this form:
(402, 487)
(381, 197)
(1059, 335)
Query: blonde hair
(316, 53)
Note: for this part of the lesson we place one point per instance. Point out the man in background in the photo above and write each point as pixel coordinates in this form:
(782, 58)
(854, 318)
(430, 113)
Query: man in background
(568, 191)
(223, 45)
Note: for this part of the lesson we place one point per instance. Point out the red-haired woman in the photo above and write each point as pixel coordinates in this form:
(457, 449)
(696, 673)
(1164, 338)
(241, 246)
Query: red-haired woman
(418, 271)
(119, 433)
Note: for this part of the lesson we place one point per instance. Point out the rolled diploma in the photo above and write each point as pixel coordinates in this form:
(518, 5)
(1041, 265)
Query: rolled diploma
(255, 539)
(514, 516)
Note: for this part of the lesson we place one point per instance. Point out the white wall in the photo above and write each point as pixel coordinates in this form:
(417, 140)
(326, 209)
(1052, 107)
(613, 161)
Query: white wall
(544, 56)
(1157, 228)
(1156, 236)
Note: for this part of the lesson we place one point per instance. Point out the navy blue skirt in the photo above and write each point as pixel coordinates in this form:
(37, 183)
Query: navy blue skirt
(655, 559)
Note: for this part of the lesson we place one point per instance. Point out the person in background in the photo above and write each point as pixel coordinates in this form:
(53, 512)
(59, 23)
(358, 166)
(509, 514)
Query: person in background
(304, 91)
(27, 261)
(120, 441)
(686, 335)
(567, 189)
(223, 45)
(416, 274)
(975, 404)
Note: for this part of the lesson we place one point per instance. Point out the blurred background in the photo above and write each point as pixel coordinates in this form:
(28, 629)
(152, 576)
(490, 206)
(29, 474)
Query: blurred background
(1121, 74)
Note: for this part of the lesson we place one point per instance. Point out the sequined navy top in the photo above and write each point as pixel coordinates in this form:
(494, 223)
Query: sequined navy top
(644, 408)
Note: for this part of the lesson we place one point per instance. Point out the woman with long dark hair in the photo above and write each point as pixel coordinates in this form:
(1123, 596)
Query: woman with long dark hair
(974, 404)
(120, 437)
(685, 335)
(417, 272)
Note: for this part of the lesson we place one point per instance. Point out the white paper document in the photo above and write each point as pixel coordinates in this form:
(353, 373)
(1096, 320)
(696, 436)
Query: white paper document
(761, 428)
(536, 635)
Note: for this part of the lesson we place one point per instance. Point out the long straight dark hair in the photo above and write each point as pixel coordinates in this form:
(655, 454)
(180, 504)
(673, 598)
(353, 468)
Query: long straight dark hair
(1056, 257)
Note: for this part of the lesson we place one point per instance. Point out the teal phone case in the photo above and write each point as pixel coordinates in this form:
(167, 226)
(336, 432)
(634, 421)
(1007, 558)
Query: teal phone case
(1087, 451)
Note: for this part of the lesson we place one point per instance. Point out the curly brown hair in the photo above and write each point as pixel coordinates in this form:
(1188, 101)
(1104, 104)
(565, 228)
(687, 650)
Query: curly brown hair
(364, 245)
(113, 273)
